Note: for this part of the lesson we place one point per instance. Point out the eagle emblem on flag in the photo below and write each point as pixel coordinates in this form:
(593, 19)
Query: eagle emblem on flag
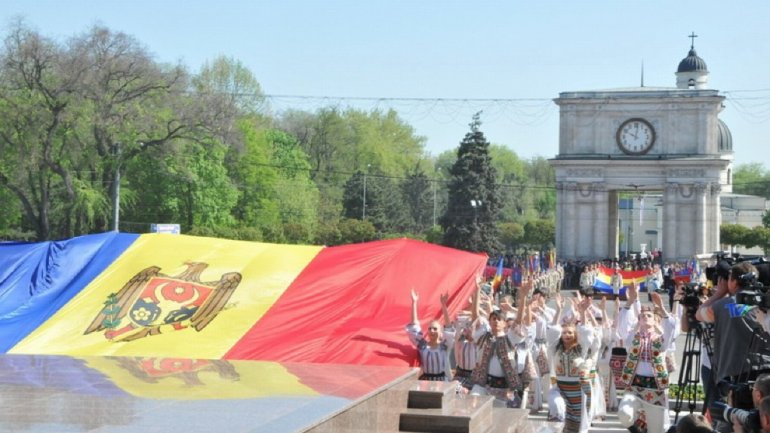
(152, 303)
(151, 370)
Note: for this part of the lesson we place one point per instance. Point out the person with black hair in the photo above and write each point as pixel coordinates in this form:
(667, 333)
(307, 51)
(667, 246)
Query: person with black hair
(692, 423)
(505, 367)
(741, 347)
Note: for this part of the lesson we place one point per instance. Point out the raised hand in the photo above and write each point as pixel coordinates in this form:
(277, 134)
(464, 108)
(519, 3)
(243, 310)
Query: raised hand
(444, 298)
(656, 299)
(632, 293)
(585, 303)
(414, 295)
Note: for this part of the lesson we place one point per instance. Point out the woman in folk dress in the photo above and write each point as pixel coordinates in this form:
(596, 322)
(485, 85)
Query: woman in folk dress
(435, 345)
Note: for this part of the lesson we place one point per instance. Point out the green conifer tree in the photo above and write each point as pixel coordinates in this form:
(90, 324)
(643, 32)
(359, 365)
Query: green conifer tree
(474, 199)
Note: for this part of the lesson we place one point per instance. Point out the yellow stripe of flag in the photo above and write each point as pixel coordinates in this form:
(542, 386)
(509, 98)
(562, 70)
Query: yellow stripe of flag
(266, 272)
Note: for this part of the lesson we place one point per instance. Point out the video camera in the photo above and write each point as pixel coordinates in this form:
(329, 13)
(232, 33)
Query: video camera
(754, 292)
(749, 419)
(692, 296)
(722, 267)
(740, 404)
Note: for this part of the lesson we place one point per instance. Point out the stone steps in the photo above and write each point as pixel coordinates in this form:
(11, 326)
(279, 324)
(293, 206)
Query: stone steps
(434, 407)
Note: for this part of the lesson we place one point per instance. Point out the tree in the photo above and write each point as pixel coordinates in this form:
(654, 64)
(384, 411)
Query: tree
(35, 94)
(542, 188)
(191, 188)
(383, 201)
(540, 234)
(297, 195)
(735, 234)
(356, 231)
(74, 115)
(752, 179)
(512, 174)
(132, 103)
(761, 237)
(511, 235)
(337, 140)
(474, 203)
(230, 91)
(419, 195)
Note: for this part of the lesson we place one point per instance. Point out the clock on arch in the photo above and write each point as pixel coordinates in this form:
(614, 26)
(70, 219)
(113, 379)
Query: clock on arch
(635, 136)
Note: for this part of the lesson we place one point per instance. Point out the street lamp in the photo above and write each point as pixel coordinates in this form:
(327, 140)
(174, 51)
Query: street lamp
(475, 204)
(117, 153)
(434, 197)
(364, 207)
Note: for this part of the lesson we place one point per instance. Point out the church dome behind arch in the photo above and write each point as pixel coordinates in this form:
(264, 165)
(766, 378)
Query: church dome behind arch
(692, 63)
(725, 138)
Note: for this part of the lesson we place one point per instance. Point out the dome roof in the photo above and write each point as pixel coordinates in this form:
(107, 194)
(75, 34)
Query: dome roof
(725, 138)
(692, 63)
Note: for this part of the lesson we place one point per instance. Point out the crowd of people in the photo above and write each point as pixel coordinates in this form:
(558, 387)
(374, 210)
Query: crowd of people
(583, 355)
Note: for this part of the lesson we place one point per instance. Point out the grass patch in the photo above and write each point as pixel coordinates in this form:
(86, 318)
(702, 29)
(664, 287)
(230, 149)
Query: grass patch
(689, 392)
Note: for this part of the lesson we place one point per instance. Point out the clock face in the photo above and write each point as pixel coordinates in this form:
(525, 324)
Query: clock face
(635, 136)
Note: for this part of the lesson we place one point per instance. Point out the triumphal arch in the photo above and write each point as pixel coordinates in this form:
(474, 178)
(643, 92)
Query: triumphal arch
(664, 141)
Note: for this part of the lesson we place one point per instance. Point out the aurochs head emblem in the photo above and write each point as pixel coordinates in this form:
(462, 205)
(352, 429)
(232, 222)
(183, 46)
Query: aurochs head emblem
(151, 303)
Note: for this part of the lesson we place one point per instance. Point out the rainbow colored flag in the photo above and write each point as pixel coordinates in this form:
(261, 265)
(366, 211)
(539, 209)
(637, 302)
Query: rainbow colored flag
(603, 281)
(498, 279)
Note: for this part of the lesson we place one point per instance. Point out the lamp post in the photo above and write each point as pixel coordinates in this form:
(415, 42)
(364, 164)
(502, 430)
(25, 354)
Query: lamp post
(475, 204)
(116, 150)
(434, 198)
(364, 207)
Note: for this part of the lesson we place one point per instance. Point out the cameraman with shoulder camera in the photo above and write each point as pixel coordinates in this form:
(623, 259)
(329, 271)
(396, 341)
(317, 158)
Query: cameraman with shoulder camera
(734, 330)
(742, 410)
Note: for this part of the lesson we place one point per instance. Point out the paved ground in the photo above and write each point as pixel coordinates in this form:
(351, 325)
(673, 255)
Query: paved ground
(610, 424)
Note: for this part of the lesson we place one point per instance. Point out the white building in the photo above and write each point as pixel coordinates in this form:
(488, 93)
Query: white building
(666, 142)
(641, 220)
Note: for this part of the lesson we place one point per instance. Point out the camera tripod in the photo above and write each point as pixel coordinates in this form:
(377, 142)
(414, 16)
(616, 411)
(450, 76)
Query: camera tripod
(689, 371)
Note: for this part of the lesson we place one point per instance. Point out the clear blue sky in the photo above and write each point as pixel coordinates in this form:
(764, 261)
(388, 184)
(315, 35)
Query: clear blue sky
(429, 59)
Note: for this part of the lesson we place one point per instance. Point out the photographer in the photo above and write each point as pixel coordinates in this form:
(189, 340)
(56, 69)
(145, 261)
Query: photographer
(735, 333)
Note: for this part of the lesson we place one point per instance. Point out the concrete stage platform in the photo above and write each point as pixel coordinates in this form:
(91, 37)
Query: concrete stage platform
(63, 394)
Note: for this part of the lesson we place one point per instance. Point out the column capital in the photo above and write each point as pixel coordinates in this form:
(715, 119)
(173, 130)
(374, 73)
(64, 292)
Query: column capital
(701, 188)
(672, 187)
(716, 189)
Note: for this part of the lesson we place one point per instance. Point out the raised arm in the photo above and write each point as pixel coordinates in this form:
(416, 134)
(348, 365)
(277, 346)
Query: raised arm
(659, 306)
(415, 320)
(559, 307)
(444, 310)
(524, 314)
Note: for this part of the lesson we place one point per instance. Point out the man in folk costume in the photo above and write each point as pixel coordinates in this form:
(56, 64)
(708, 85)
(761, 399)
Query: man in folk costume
(644, 408)
(505, 367)
(610, 340)
(542, 315)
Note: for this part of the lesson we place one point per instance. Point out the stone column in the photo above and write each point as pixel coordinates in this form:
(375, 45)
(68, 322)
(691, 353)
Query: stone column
(670, 203)
(570, 216)
(600, 233)
(560, 220)
(612, 224)
(715, 220)
(702, 215)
